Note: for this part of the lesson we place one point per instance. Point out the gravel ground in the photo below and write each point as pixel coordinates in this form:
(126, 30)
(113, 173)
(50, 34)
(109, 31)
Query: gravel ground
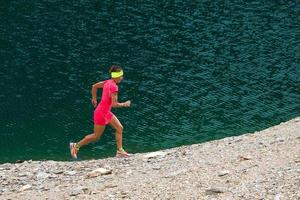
(260, 165)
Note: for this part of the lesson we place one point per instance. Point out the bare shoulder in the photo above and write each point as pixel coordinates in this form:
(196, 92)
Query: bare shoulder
(99, 84)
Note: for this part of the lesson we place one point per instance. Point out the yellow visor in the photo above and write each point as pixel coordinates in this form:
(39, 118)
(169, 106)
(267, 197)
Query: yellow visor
(117, 74)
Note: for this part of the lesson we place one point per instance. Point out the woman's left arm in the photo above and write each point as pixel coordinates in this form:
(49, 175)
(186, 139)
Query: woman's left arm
(94, 92)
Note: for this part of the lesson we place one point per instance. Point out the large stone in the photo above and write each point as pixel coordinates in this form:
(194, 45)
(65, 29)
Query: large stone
(155, 154)
(99, 172)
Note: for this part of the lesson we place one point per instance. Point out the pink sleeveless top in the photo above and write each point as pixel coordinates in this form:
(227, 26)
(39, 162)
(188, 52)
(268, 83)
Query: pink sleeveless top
(103, 114)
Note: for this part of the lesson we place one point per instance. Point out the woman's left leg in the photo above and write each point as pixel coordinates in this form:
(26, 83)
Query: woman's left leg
(98, 131)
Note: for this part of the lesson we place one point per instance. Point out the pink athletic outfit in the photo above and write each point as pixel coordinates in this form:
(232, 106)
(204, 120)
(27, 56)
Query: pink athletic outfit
(103, 114)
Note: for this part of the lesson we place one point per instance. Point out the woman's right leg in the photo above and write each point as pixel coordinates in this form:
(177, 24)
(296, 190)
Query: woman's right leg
(116, 124)
(98, 131)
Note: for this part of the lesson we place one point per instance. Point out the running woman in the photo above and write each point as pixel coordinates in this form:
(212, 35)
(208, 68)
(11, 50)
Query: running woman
(103, 114)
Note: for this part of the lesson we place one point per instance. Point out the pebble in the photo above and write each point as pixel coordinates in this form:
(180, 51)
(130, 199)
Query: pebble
(176, 173)
(124, 194)
(277, 197)
(111, 186)
(156, 167)
(58, 172)
(25, 187)
(5, 183)
(22, 175)
(223, 173)
(76, 192)
(43, 188)
(42, 175)
(243, 158)
(213, 191)
(71, 173)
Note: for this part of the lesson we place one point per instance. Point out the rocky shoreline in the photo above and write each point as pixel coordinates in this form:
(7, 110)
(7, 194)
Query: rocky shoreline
(261, 165)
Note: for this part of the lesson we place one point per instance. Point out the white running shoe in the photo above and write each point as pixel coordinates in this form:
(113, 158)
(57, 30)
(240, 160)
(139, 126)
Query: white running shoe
(73, 150)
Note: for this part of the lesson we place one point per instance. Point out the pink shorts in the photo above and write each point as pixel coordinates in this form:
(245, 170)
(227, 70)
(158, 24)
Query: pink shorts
(101, 118)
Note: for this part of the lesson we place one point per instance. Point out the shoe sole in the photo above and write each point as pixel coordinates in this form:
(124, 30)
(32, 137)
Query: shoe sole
(71, 149)
(122, 156)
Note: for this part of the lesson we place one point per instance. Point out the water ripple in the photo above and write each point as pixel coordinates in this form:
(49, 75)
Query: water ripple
(195, 71)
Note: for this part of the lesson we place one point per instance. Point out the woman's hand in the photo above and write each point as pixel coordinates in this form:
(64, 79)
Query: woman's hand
(94, 102)
(127, 103)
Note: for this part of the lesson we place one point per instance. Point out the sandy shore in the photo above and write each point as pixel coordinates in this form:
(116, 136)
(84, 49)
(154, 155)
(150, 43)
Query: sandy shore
(262, 165)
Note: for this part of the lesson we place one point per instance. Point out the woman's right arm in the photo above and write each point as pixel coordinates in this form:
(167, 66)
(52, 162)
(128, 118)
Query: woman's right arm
(95, 87)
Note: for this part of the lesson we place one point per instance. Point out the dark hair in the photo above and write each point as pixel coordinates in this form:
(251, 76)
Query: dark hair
(115, 68)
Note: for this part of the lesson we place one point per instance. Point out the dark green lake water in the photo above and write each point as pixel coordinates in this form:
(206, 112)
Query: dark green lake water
(194, 70)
